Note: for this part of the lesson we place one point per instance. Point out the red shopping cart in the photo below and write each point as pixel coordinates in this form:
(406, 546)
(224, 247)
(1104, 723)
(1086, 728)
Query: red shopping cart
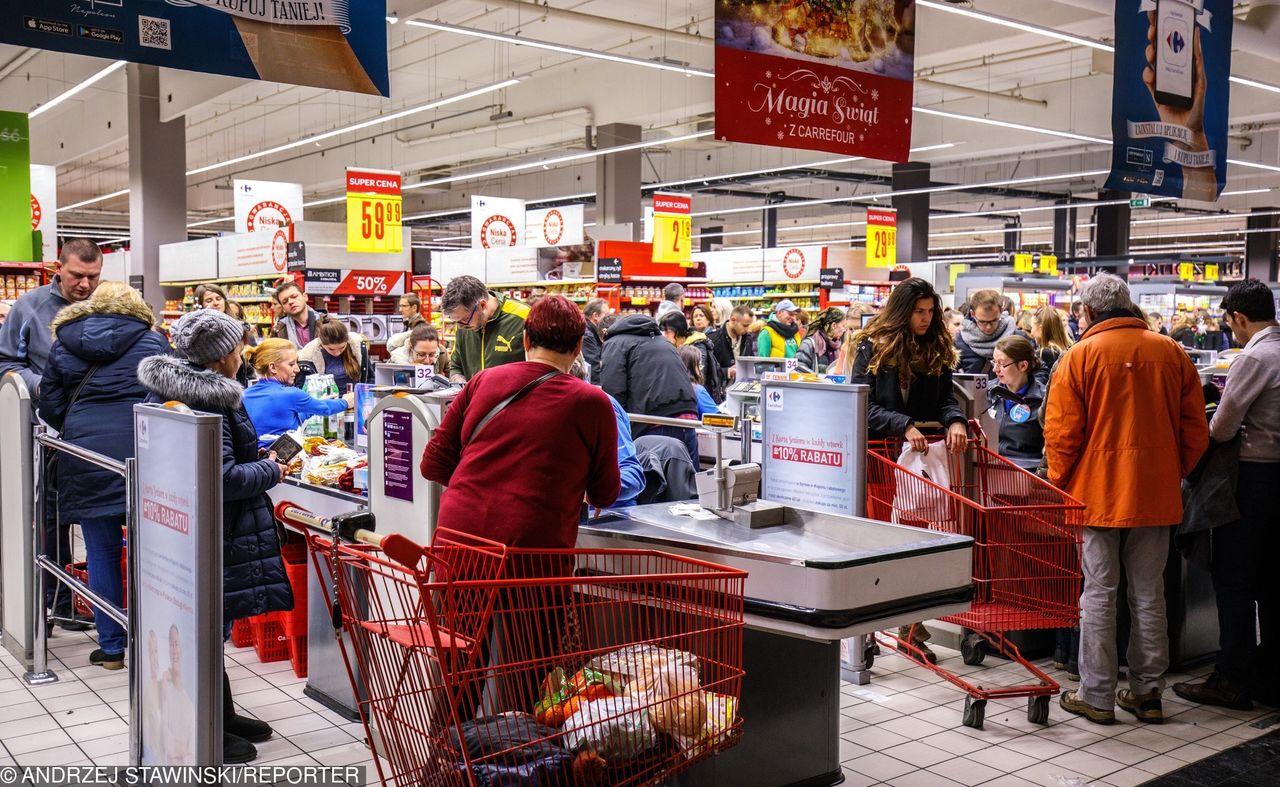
(1026, 557)
(481, 664)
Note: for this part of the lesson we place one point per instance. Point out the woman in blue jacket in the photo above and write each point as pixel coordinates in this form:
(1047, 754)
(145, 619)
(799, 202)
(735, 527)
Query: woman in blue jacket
(88, 392)
(275, 406)
(253, 575)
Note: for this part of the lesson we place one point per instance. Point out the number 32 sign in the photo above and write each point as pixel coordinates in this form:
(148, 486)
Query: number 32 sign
(373, 211)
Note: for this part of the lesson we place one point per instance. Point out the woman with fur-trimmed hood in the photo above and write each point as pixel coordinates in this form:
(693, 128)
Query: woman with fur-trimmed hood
(88, 392)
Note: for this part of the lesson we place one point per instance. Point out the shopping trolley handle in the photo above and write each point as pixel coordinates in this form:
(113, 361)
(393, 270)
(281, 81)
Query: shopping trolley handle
(350, 526)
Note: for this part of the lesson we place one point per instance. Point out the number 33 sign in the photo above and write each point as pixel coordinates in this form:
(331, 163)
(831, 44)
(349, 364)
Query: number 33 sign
(373, 211)
(672, 229)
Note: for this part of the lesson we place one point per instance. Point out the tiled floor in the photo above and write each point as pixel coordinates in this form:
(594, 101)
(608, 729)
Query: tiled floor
(904, 729)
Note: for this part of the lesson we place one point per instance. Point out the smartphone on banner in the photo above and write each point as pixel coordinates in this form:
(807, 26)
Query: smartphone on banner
(1175, 29)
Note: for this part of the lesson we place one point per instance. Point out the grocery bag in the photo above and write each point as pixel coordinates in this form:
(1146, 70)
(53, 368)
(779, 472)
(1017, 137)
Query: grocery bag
(919, 504)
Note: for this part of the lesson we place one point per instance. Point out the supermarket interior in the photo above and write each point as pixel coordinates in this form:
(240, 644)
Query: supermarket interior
(601, 392)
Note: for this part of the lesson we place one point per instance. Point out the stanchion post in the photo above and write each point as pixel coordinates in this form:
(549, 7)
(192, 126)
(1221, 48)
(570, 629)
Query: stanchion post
(40, 673)
(131, 572)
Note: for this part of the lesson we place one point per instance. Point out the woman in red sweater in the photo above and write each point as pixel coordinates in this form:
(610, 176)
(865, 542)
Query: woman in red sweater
(522, 477)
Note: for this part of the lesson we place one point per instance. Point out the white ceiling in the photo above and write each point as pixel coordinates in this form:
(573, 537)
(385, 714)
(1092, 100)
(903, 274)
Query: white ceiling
(964, 66)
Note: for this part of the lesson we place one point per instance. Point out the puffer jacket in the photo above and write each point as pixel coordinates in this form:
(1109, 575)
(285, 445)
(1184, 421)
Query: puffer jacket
(1124, 424)
(253, 576)
(642, 371)
(817, 352)
(113, 335)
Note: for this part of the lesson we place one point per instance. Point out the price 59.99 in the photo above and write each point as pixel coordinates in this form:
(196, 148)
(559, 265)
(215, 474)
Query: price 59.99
(375, 216)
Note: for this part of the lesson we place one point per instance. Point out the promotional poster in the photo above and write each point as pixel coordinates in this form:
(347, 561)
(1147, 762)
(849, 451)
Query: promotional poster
(1170, 96)
(830, 75)
(332, 44)
(266, 205)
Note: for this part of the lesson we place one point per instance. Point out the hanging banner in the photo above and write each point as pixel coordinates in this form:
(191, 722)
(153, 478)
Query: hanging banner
(374, 211)
(561, 226)
(817, 75)
(497, 222)
(44, 209)
(15, 188)
(882, 238)
(329, 281)
(1169, 97)
(673, 228)
(332, 44)
(266, 204)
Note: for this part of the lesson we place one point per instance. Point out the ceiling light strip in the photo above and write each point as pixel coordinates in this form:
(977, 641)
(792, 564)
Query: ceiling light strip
(58, 99)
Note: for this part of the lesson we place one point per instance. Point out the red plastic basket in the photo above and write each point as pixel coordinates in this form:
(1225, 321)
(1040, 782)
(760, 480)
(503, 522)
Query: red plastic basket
(242, 633)
(80, 571)
(270, 641)
(295, 565)
(298, 655)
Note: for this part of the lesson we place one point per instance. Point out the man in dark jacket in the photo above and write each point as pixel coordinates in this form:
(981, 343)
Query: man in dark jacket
(733, 339)
(253, 574)
(985, 325)
(675, 329)
(593, 342)
(641, 369)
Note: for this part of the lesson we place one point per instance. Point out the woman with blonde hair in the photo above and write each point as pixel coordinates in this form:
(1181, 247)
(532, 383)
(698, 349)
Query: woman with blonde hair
(337, 351)
(1050, 334)
(275, 406)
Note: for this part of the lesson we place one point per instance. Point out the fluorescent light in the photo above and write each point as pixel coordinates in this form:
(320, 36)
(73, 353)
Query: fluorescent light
(207, 222)
(1244, 191)
(56, 100)
(480, 91)
(1254, 83)
(562, 48)
(1253, 164)
(82, 203)
(392, 19)
(1016, 126)
(784, 168)
(1016, 25)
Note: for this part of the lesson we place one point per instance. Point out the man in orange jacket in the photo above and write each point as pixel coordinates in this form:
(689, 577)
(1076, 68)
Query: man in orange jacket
(1124, 424)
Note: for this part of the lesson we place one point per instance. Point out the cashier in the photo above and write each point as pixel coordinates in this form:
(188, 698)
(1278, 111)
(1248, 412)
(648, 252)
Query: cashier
(274, 405)
(525, 442)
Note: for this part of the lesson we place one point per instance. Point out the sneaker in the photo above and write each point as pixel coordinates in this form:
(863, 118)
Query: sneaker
(237, 750)
(1146, 707)
(1215, 690)
(111, 661)
(251, 730)
(1071, 703)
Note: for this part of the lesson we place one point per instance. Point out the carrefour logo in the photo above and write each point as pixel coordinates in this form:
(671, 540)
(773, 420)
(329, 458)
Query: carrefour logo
(1176, 42)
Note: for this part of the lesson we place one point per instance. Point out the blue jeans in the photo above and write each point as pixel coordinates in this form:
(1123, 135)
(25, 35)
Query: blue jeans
(102, 542)
(687, 436)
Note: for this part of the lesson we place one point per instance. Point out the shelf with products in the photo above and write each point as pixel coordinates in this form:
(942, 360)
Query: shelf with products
(223, 282)
(763, 297)
(19, 278)
(576, 290)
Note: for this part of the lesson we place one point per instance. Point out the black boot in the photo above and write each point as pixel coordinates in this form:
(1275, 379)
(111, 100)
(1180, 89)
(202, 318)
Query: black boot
(237, 750)
(235, 726)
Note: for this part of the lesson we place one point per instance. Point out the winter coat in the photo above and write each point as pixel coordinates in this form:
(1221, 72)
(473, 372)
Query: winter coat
(115, 336)
(1124, 424)
(253, 575)
(25, 340)
(930, 398)
(817, 352)
(592, 347)
(642, 371)
(774, 343)
(499, 341)
(1022, 438)
(723, 345)
(976, 348)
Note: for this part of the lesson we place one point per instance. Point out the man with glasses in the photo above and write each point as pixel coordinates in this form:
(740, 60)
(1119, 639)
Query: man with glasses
(490, 327)
(985, 325)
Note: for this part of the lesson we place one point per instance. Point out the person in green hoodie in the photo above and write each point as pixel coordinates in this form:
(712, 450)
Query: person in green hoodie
(490, 327)
(778, 339)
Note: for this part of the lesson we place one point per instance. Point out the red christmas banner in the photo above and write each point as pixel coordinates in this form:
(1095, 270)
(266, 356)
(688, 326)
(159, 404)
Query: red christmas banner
(830, 75)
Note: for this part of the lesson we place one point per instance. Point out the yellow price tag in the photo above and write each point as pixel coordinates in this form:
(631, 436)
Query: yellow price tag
(373, 223)
(1022, 263)
(1211, 271)
(1049, 264)
(882, 247)
(673, 239)
(1186, 271)
(954, 271)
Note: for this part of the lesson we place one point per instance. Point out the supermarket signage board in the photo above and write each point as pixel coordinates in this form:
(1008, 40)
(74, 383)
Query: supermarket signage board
(44, 209)
(296, 256)
(330, 44)
(374, 211)
(15, 188)
(266, 204)
(812, 434)
(795, 84)
(673, 228)
(497, 222)
(562, 226)
(831, 278)
(330, 281)
(254, 253)
(793, 263)
(192, 260)
(1169, 137)
(882, 238)
(609, 270)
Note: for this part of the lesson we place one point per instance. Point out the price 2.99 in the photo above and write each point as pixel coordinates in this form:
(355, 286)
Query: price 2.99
(375, 216)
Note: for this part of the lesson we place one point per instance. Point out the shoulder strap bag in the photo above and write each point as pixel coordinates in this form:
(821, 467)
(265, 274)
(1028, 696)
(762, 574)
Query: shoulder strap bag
(510, 400)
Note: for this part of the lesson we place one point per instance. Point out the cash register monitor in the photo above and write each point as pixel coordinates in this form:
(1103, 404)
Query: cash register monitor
(752, 367)
(866, 320)
(397, 374)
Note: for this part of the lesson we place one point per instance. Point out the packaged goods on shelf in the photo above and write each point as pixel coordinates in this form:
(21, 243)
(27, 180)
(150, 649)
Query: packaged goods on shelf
(15, 285)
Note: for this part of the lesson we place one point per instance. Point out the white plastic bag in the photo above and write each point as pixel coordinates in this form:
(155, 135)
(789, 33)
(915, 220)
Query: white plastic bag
(919, 504)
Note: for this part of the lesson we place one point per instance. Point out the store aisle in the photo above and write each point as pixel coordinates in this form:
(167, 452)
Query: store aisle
(902, 730)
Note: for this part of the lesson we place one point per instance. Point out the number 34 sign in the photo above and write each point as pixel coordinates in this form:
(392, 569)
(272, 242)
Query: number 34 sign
(373, 211)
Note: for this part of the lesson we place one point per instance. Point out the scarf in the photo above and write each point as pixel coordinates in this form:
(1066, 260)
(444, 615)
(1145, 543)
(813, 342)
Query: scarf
(983, 345)
(787, 332)
(823, 347)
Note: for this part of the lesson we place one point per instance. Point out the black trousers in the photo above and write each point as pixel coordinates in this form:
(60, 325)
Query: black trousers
(1248, 594)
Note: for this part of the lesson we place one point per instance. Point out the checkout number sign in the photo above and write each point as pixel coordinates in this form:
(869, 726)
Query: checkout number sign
(673, 229)
(374, 211)
(882, 238)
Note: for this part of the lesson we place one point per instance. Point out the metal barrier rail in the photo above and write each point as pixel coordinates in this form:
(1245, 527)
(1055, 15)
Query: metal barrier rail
(44, 447)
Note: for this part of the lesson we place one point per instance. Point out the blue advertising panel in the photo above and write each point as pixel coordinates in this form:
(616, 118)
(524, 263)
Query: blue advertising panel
(1170, 95)
(333, 44)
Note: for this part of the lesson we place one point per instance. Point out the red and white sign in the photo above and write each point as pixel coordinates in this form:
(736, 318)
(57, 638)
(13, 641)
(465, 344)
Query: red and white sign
(324, 281)
(266, 205)
(672, 204)
(793, 263)
(554, 226)
(809, 456)
(373, 181)
(44, 208)
(254, 253)
(36, 213)
(793, 75)
(497, 222)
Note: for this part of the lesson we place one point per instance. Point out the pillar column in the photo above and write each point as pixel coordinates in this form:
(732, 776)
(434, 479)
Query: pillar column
(711, 237)
(1013, 235)
(618, 179)
(1064, 231)
(769, 220)
(1113, 225)
(157, 180)
(1261, 246)
(913, 218)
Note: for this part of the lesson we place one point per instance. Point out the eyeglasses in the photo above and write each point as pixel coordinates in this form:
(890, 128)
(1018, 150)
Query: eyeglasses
(1002, 366)
(987, 323)
(471, 315)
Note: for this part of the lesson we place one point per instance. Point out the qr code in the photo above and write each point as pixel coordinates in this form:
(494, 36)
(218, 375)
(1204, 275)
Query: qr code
(154, 32)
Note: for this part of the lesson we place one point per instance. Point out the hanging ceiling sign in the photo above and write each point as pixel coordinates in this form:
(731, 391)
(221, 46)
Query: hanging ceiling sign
(1170, 93)
(882, 237)
(374, 211)
(673, 228)
(44, 208)
(497, 222)
(831, 75)
(266, 204)
(562, 226)
(332, 44)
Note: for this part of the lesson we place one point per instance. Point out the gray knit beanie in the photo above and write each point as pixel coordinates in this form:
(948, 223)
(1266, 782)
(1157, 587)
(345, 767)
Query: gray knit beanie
(205, 335)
